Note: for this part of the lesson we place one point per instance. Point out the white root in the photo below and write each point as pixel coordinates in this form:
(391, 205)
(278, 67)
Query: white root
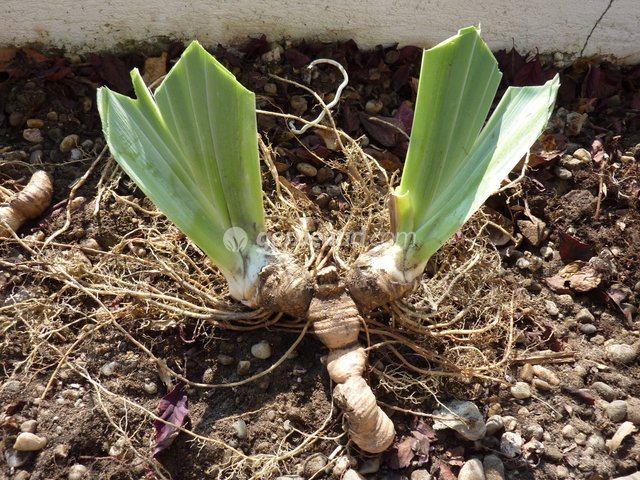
(27, 204)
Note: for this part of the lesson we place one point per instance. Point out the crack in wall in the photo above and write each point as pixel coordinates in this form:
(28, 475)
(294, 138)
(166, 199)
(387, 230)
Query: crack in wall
(586, 42)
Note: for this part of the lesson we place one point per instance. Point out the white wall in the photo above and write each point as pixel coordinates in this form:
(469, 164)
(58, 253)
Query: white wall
(550, 25)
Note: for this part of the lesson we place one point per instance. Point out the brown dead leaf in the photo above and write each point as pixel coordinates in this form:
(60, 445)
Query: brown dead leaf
(546, 149)
(387, 160)
(576, 277)
(154, 68)
(7, 55)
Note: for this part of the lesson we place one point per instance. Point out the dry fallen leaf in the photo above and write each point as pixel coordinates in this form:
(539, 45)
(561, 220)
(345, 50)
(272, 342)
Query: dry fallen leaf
(576, 277)
(154, 68)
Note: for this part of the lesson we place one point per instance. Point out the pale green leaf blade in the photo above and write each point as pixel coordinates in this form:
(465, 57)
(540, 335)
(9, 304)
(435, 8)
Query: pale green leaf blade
(200, 168)
(515, 125)
(458, 80)
(214, 120)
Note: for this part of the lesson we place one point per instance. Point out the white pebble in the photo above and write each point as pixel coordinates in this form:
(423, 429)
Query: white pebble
(77, 472)
(472, 470)
(108, 368)
(521, 390)
(29, 426)
(240, 427)
(511, 444)
(29, 442)
(545, 374)
(261, 350)
(621, 353)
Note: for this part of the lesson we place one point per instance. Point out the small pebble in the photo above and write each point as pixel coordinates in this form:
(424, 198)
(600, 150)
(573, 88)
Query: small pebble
(510, 423)
(546, 253)
(534, 431)
(307, 169)
(633, 410)
(341, 466)
(563, 173)
(588, 328)
(76, 154)
(580, 439)
(314, 464)
(270, 88)
(298, 104)
(263, 383)
(324, 175)
(240, 427)
(585, 316)
(621, 353)
(472, 470)
(351, 474)
(526, 372)
(261, 350)
(511, 444)
(14, 458)
(69, 142)
(35, 123)
(373, 107)
(540, 384)
(493, 468)
(494, 424)
(108, 368)
(243, 367)
(569, 431)
(605, 391)
(583, 155)
(545, 374)
(225, 360)
(596, 441)
(29, 442)
(552, 308)
(150, 387)
(462, 416)
(521, 390)
(33, 135)
(21, 475)
(77, 472)
(617, 410)
(29, 426)
(597, 340)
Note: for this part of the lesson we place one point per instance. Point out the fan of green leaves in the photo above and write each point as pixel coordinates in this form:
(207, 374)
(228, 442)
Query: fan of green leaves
(192, 149)
(454, 164)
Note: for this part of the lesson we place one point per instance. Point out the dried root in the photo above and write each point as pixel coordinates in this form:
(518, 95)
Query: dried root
(28, 204)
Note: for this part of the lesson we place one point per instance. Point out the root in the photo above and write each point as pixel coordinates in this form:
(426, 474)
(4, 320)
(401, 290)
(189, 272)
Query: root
(27, 204)
(337, 324)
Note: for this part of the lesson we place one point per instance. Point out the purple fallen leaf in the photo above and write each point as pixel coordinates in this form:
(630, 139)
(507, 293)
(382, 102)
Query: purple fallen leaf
(387, 131)
(581, 394)
(404, 116)
(617, 297)
(573, 249)
(173, 409)
(402, 453)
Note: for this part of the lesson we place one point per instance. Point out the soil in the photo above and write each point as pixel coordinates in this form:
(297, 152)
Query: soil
(60, 360)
